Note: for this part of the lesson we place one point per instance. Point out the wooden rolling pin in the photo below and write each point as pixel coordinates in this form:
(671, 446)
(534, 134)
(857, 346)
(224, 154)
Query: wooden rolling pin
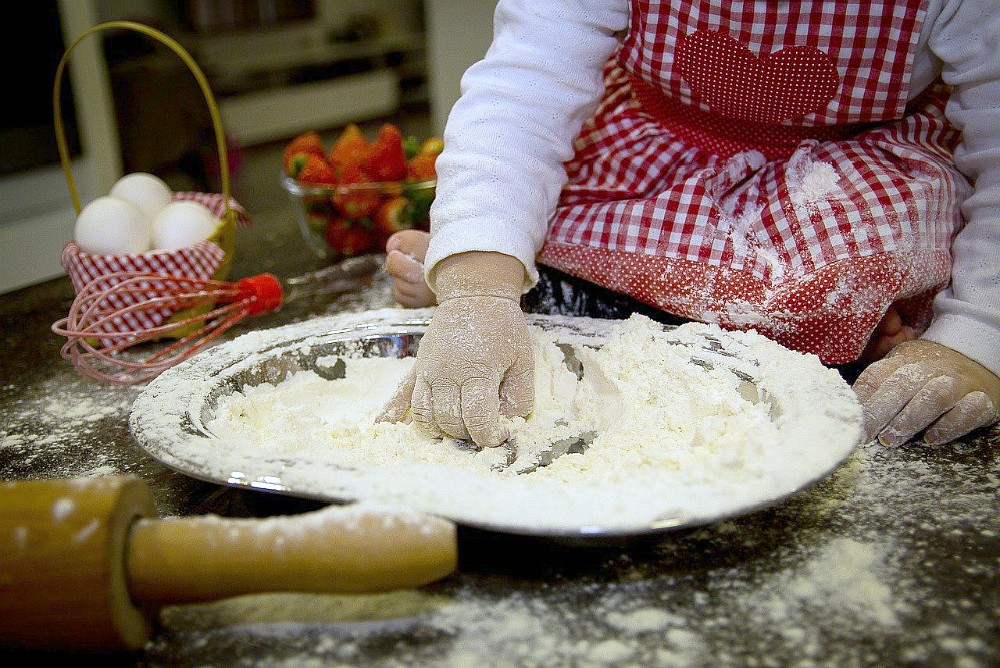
(85, 564)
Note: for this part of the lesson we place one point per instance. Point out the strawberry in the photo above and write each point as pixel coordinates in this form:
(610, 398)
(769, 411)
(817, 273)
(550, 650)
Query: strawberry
(309, 142)
(294, 164)
(293, 155)
(351, 148)
(348, 237)
(394, 215)
(421, 167)
(306, 140)
(386, 159)
(356, 197)
(317, 170)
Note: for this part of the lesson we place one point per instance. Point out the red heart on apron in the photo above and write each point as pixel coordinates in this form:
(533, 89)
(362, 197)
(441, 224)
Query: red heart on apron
(735, 83)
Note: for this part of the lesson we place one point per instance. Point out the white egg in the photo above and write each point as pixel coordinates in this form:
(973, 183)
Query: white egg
(112, 226)
(182, 223)
(148, 192)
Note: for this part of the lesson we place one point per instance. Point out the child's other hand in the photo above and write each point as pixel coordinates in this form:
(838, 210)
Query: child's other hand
(922, 385)
(404, 260)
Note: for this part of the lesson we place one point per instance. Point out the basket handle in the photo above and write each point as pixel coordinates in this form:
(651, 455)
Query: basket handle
(206, 90)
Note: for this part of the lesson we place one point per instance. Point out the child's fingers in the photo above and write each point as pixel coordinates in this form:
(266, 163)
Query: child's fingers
(395, 409)
(872, 378)
(974, 411)
(881, 346)
(402, 267)
(891, 323)
(408, 286)
(412, 296)
(409, 242)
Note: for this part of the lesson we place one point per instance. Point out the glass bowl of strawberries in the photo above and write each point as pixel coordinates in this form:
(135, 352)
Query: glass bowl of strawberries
(355, 194)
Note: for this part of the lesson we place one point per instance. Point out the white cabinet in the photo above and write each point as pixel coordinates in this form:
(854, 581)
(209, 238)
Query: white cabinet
(314, 74)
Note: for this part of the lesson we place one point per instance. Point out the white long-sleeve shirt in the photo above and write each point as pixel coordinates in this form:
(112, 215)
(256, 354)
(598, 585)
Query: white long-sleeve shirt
(507, 137)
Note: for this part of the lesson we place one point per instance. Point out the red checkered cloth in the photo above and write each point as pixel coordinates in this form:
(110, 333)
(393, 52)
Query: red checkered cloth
(198, 261)
(763, 169)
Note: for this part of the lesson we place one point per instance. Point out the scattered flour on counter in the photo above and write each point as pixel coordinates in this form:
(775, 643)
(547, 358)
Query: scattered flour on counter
(643, 620)
(59, 427)
(846, 575)
(672, 440)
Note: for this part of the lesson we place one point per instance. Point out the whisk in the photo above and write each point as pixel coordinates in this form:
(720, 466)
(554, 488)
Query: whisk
(113, 314)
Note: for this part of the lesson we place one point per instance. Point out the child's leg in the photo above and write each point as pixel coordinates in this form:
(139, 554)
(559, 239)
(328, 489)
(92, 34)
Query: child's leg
(404, 260)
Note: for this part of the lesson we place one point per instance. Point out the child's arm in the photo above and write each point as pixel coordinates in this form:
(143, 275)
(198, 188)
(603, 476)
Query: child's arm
(499, 179)
(966, 37)
(508, 135)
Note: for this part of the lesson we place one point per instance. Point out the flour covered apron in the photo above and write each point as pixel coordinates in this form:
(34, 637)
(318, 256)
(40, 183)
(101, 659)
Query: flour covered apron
(757, 164)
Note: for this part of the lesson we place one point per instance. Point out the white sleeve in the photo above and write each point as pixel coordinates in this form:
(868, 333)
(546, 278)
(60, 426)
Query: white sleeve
(966, 37)
(507, 137)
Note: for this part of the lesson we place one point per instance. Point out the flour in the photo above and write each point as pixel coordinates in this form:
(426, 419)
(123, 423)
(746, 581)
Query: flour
(56, 428)
(62, 509)
(819, 181)
(643, 620)
(809, 180)
(677, 433)
(846, 575)
(621, 398)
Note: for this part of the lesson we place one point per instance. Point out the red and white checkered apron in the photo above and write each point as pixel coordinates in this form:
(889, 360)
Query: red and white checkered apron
(757, 164)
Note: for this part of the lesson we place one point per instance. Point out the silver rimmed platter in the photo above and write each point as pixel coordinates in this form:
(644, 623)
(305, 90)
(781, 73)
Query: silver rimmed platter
(171, 420)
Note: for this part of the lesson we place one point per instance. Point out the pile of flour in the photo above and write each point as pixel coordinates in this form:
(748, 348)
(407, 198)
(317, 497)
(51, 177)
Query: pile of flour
(647, 404)
(685, 424)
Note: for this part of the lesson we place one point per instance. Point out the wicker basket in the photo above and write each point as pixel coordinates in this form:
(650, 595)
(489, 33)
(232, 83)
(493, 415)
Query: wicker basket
(208, 259)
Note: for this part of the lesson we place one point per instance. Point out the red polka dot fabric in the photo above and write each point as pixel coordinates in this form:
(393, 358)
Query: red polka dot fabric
(763, 169)
(735, 83)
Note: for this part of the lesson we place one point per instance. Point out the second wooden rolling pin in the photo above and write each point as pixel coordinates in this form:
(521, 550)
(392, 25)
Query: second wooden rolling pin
(85, 564)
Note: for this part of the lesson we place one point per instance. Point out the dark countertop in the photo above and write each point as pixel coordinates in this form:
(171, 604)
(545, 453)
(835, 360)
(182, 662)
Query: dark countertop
(894, 560)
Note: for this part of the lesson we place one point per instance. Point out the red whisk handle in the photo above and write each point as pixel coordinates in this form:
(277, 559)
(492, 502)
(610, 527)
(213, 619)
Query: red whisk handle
(262, 293)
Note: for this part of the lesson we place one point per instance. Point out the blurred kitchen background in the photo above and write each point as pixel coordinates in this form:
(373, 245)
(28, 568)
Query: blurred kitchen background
(276, 67)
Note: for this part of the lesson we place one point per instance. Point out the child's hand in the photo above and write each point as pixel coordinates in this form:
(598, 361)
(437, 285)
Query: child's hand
(475, 361)
(925, 385)
(404, 260)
